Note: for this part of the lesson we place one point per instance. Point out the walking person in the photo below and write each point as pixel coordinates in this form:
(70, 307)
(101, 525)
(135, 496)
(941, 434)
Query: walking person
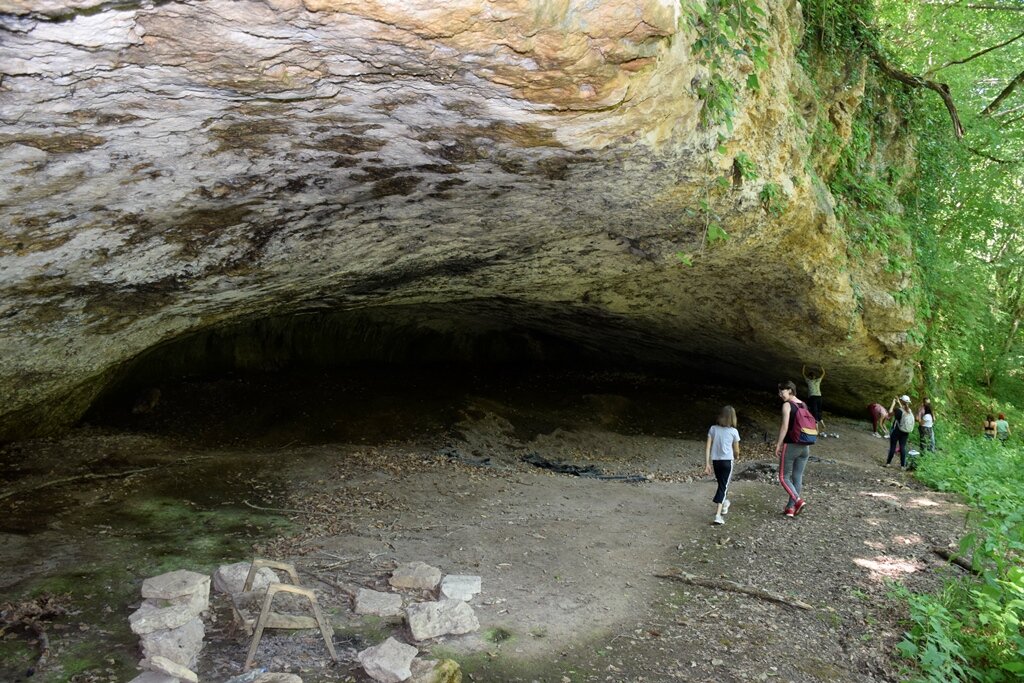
(903, 425)
(790, 447)
(722, 447)
(989, 426)
(813, 379)
(1002, 429)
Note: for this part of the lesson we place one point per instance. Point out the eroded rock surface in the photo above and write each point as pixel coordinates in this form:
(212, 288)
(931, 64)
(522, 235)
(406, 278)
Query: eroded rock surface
(458, 168)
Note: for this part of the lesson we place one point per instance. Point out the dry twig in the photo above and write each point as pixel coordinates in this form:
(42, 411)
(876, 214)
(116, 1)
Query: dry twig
(732, 586)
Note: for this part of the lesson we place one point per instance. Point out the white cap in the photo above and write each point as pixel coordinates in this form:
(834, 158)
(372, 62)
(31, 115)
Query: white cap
(905, 398)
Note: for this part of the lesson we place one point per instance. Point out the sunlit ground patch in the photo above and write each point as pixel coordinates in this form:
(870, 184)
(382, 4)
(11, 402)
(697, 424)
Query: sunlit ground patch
(878, 494)
(884, 567)
(908, 539)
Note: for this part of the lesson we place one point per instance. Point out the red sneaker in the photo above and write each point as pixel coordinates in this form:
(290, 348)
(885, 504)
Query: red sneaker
(789, 512)
(799, 506)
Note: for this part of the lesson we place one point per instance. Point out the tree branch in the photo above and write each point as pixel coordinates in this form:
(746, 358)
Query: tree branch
(1007, 91)
(986, 155)
(994, 8)
(979, 53)
(921, 82)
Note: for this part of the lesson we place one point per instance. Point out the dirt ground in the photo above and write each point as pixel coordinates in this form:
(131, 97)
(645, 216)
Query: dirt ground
(349, 476)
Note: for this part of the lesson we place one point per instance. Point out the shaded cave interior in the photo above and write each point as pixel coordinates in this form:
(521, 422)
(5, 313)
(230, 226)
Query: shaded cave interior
(414, 372)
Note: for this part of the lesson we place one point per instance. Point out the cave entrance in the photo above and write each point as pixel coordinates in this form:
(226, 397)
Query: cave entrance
(399, 374)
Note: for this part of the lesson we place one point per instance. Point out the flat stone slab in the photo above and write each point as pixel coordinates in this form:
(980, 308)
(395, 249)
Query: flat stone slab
(166, 666)
(277, 678)
(432, 619)
(153, 677)
(152, 617)
(388, 662)
(180, 645)
(375, 602)
(175, 585)
(460, 587)
(230, 578)
(418, 575)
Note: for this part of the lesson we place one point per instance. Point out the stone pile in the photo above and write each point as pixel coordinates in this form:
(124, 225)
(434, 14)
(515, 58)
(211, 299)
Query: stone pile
(448, 614)
(169, 623)
(170, 626)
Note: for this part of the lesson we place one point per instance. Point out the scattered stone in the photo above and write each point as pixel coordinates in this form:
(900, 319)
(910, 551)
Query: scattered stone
(460, 587)
(388, 662)
(375, 602)
(181, 645)
(153, 677)
(166, 666)
(432, 619)
(230, 578)
(416, 575)
(433, 671)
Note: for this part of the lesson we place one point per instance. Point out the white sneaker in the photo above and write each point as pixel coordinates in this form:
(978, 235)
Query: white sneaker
(725, 506)
(719, 519)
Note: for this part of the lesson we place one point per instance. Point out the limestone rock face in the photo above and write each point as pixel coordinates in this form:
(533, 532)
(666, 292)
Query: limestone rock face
(175, 168)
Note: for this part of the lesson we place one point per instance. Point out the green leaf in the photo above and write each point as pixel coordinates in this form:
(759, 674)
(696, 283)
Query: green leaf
(684, 258)
(715, 233)
(753, 83)
(907, 649)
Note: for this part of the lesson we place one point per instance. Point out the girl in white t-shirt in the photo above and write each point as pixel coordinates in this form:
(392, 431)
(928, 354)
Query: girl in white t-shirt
(926, 430)
(722, 447)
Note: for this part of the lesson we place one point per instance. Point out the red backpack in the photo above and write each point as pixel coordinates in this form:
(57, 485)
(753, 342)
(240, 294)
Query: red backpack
(803, 428)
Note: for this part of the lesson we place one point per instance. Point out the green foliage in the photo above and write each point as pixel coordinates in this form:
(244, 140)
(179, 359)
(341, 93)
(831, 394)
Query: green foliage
(968, 198)
(772, 199)
(971, 630)
(729, 32)
(745, 166)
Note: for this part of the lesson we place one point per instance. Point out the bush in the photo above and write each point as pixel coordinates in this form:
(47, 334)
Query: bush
(971, 630)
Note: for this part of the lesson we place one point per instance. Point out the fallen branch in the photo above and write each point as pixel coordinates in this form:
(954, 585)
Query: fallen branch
(327, 582)
(950, 556)
(44, 645)
(732, 586)
(285, 511)
(84, 477)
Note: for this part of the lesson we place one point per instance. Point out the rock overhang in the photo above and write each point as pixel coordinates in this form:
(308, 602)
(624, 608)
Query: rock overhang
(520, 166)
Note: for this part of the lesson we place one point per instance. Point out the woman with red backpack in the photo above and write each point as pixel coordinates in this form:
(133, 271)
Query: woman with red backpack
(796, 433)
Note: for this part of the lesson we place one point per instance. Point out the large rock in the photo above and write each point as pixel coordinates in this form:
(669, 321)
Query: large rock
(406, 168)
(181, 645)
(375, 602)
(388, 662)
(230, 578)
(150, 616)
(433, 619)
(177, 584)
(166, 666)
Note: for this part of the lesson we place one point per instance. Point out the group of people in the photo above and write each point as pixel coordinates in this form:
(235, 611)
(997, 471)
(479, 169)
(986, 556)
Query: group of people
(996, 429)
(900, 420)
(791, 447)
